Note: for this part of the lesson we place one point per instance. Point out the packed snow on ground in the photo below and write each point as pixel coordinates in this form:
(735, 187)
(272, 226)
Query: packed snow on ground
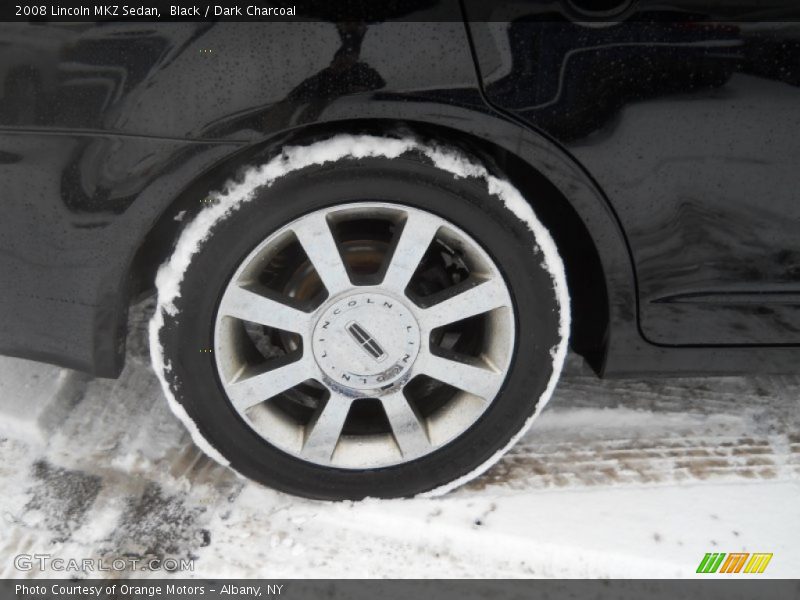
(635, 478)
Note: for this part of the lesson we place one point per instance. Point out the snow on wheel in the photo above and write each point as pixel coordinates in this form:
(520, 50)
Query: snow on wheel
(362, 316)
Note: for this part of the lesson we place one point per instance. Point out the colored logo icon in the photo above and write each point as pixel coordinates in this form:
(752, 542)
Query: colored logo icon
(734, 562)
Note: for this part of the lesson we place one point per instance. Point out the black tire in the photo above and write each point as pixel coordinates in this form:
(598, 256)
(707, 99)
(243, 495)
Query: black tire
(410, 180)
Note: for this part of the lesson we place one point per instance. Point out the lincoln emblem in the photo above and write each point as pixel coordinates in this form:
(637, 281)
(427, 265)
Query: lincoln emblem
(366, 341)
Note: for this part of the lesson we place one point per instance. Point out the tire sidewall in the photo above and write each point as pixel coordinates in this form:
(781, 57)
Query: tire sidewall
(409, 180)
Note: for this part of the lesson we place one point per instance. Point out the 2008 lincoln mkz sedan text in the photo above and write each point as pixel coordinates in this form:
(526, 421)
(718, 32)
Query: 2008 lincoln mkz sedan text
(372, 241)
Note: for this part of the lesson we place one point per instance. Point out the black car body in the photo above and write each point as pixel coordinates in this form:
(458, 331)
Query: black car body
(659, 145)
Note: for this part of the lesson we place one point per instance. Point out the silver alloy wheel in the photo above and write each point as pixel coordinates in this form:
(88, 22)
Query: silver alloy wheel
(364, 338)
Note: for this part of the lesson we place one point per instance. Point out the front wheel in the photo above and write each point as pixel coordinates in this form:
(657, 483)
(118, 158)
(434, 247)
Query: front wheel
(361, 325)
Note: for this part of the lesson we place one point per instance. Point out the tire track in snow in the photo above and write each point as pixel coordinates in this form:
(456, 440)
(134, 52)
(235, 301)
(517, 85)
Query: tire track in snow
(135, 484)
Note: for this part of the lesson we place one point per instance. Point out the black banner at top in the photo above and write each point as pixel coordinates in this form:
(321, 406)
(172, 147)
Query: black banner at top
(229, 10)
(607, 11)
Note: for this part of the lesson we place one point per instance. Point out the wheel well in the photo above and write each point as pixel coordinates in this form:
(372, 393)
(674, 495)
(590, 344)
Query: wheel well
(585, 277)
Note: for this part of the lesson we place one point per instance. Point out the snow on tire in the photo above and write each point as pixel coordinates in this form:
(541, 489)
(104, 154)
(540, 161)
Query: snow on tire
(362, 316)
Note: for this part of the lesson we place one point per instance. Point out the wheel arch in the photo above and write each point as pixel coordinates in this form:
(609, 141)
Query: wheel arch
(563, 196)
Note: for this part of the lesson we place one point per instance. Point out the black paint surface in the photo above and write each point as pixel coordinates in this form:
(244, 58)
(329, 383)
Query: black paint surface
(673, 138)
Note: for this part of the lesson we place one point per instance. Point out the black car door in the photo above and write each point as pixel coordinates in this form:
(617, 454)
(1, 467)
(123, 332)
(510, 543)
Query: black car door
(690, 123)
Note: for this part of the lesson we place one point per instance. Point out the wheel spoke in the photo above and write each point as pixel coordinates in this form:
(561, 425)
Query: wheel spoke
(481, 382)
(476, 300)
(248, 392)
(323, 433)
(415, 239)
(314, 234)
(243, 304)
(406, 425)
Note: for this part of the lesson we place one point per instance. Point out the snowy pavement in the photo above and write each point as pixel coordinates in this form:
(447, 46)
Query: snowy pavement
(631, 478)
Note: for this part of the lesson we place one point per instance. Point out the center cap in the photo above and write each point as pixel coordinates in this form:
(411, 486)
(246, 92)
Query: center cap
(366, 341)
